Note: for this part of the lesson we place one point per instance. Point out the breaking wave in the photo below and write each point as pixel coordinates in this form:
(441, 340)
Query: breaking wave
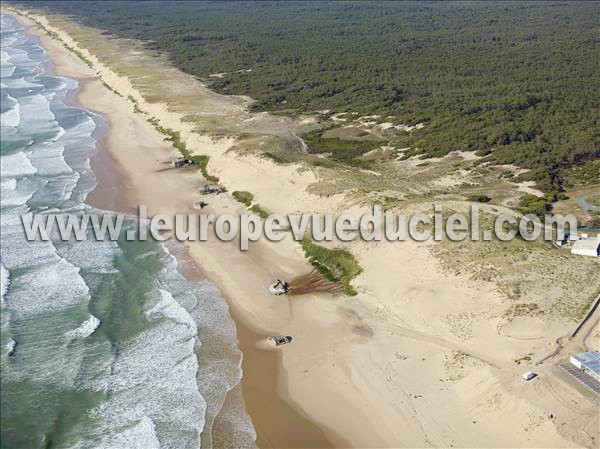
(123, 350)
(86, 329)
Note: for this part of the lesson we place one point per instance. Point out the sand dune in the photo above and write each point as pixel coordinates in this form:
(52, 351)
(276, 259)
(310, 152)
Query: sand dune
(414, 360)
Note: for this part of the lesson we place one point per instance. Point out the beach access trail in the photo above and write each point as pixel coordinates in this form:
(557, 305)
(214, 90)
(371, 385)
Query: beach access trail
(383, 369)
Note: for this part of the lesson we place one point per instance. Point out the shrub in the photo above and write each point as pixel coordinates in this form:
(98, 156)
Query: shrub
(480, 198)
(243, 197)
(336, 265)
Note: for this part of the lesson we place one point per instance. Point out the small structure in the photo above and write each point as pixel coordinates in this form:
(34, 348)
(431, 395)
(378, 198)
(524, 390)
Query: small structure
(182, 162)
(588, 362)
(529, 375)
(279, 287)
(208, 189)
(587, 247)
(279, 340)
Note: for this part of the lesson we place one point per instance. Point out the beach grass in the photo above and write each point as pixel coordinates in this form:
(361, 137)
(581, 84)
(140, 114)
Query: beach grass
(258, 210)
(246, 199)
(243, 197)
(340, 150)
(337, 265)
(201, 160)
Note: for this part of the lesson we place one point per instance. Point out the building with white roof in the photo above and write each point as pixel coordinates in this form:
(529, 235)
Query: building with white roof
(589, 362)
(587, 247)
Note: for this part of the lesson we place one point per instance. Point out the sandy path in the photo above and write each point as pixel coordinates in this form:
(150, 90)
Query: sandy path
(414, 360)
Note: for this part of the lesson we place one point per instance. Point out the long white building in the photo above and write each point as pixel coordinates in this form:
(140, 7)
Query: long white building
(588, 362)
(587, 247)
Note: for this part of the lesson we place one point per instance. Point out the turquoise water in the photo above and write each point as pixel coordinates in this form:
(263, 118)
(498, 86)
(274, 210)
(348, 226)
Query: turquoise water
(103, 344)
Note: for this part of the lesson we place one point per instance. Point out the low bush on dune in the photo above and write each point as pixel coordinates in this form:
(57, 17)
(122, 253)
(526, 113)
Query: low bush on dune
(480, 198)
(336, 265)
(202, 161)
(243, 197)
(259, 211)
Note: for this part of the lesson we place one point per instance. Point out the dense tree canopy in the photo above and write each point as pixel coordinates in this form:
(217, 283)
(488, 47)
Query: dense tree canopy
(518, 80)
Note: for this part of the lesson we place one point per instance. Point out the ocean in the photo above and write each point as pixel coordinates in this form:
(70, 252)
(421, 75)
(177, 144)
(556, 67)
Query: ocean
(103, 344)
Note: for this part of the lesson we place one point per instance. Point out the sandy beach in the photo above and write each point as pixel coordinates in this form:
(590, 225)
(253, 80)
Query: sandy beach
(419, 358)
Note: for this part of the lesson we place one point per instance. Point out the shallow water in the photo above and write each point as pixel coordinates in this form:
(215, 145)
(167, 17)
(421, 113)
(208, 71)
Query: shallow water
(103, 344)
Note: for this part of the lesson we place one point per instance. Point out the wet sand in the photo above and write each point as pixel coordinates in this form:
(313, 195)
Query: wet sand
(277, 422)
(348, 379)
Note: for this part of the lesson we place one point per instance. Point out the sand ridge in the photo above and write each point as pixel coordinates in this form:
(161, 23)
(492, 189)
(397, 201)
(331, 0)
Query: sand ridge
(414, 360)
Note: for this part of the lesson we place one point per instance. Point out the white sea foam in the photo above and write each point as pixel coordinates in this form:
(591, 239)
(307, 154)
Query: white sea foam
(4, 282)
(8, 184)
(49, 161)
(141, 435)
(154, 376)
(86, 328)
(168, 380)
(12, 117)
(20, 83)
(7, 70)
(17, 192)
(47, 287)
(4, 56)
(10, 347)
(91, 255)
(15, 165)
(36, 116)
(219, 370)
(170, 308)
(16, 252)
(14, 198)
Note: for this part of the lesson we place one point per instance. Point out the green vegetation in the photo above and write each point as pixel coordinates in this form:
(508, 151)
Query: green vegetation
(136, 106)
(111, 89)
(174, 137)
(594, 222)
(586, 174)
(594, 200)
(480, 198)
(79, 55)
(259, 211)
(522, 309)
(531, 204)
(341, 150)
(574, 279)
(516, 81)
(578, 313)
(525, 359)
(337, 265)
(246, 198)
(201, 160)
(243, 197)
(274, 157)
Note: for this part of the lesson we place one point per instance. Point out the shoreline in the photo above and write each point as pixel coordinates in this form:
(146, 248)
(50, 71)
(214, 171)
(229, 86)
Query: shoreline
(352, 364)
(262, 370)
